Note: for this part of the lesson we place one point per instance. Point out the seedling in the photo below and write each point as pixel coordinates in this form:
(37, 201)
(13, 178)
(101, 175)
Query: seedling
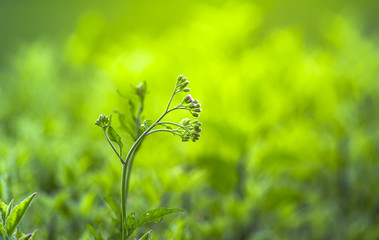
(186, 129)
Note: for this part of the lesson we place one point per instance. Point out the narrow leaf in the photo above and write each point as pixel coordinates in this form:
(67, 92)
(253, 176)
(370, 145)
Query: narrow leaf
(17, 214)
(9, 208)
(156, 215)
(26, 237)
(113, 205)
(93, 233)
(34, 234)
(3, 210)
(147, 236)
(2, 232)
(114, 137)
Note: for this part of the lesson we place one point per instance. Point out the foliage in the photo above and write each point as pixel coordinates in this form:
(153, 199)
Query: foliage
(291, 142)
(11, 218)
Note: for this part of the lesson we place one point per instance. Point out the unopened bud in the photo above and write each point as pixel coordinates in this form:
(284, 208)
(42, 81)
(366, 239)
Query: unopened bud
(197, 128)
(187, 98)
(196, 101)
(184, 84)
(186, 90)
(197, 110)
(195, 114)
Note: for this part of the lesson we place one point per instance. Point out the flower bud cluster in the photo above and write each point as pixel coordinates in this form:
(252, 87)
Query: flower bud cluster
(102, 121)
(181, 84)
(192, 130)
(192, 105)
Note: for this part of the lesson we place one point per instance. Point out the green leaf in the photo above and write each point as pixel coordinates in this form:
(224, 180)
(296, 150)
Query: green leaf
(156, 215)
(93, 233)
(34, 234)
(19, 233)
(9, 208)
(114, 137)
(147, 124)
(113, 205)
(2, 232)
(17, 214)
(131, 224)
(147, 236)
(124, 124)
(26, 237)
(3, 210)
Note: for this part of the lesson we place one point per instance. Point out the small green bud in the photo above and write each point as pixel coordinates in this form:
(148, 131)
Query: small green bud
(102, 121)
(195, 114)
(197, 110)
(184, 84)
(186, 90)
(180, 77)
(187, 99)
(185, 122)
(141, 89)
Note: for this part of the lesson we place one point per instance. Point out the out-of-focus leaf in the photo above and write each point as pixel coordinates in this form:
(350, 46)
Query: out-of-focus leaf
(124, 124)
(9, 209)
(131, 224)
(147, 236)
(93, 233)
(19, 233)
(17, 214)
(34, 234)
(26, 237)
(114, 137)
(3, 210)
(2, 232)
(113, 205)
(156, 215)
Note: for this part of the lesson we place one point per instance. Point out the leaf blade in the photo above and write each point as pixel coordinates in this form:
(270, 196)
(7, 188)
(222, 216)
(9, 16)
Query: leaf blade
(3, 210)
(114, 137)
(156, 215)
(93, 233)
(17, 214)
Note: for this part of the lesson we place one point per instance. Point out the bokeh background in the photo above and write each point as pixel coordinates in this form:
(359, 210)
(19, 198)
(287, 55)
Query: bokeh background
(290, 97)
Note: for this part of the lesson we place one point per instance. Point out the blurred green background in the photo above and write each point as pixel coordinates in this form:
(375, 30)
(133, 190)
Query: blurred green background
(290, 97)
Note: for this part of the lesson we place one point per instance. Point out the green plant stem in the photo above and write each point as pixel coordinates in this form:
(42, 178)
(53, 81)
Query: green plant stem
(163, 130)
(128, 162)
(172, 123)
(115, 150)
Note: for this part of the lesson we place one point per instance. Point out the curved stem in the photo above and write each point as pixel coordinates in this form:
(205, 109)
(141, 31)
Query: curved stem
(114, 149)
(172, 123)
(128, 163)
(162, 130)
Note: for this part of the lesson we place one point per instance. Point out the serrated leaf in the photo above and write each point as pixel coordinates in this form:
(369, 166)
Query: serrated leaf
(26, 237)
(156, 215)
(2, 232)
(17, 214)
(114, 137)
(3, 210)
(147, 236)
(93, 233)
(124, 124)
